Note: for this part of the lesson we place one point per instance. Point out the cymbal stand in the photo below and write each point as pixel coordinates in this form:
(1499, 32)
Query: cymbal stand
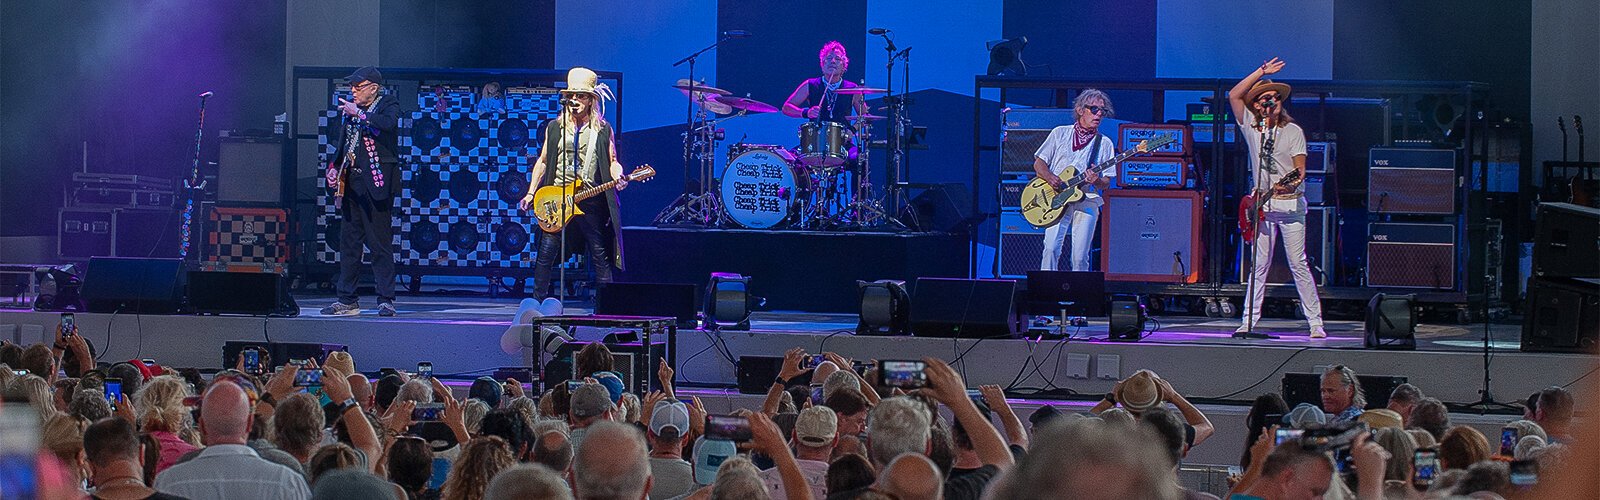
(698, 204)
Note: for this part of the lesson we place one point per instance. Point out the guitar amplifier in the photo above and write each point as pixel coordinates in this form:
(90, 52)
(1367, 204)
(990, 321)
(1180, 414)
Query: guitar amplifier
(1316, 188)
(1153, 173)
(1321, 255)
(1021, 246)
(1023, 132)
(1408, 255)
(1130, 134)
(1411, 181)
(1011, 193)
(255, 239)
(1321, 157)
(1150, 235)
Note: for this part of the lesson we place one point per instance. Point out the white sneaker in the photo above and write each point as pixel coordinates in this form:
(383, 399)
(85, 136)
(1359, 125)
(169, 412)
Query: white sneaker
(1243, 329)
(1318, 333)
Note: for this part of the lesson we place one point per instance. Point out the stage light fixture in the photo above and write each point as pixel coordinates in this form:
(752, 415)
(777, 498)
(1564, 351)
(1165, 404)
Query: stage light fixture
(728, 302)
(58, 288)
(1005, 57)
(885, 308)
(1391, 322)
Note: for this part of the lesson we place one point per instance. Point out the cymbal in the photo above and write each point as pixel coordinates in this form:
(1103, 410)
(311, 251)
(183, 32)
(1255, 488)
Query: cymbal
(683, 84)
(747, 104)
(860, 91)
(865, 117)
(702, 97)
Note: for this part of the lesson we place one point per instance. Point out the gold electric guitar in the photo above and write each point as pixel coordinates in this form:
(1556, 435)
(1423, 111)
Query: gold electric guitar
(556, 205)
(1043, 204)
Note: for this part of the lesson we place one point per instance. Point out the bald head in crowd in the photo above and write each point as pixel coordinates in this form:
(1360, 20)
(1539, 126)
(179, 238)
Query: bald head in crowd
(225, 415)
(612, 463)
(912, 476)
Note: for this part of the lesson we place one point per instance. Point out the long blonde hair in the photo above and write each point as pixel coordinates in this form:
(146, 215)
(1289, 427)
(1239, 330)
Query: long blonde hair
(160, 404)
(481, 459)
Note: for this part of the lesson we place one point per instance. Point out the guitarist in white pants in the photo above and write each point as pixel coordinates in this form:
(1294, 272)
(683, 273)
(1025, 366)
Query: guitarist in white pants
(1277, 149)
(1074, 145)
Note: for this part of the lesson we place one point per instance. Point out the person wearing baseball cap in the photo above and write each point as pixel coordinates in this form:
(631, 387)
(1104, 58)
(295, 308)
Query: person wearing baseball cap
(1278, 171)
(363, 178)
(590, 403)
(670, 474)
(815, 433)
(580, 149)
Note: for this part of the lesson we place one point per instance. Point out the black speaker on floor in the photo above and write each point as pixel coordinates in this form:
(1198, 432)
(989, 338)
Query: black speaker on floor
(1127, 319)
(133, 285)
(756, 374)
(942, 207)
(1307, 388)
(1391, 322)
(255, 294)
(674, 300)
(1562, 315)
(963, 308)
(279, 353)
(1566, 242)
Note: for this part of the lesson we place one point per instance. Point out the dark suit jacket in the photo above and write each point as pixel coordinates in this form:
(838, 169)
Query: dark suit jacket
(383, 126)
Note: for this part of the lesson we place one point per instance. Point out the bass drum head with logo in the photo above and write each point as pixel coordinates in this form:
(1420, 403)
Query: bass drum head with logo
(758, 187)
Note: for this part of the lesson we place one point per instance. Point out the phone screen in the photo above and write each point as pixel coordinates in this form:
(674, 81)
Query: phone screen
(1425, 465)
(425, 370)
(814, 361)
(429, 412)
(1508, 441)
(573, 385)
(307, 377)
(252, 361)
(902, 374)
(727, 428)
(1287, 435)
(113, 390)
(1524, 472)
(68, 324)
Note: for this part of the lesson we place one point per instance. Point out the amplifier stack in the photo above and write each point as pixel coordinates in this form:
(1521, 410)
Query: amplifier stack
(1414, 235)
(1563, 309)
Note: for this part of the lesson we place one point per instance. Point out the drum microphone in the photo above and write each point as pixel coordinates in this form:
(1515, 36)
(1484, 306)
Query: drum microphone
(736, 34)
(877, 31)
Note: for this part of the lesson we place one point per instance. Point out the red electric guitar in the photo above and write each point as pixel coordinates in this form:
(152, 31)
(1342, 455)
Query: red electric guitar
(1253, 205)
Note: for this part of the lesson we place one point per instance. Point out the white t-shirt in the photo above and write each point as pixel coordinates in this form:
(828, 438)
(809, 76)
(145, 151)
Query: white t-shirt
(816, 474)
(1058, 154)
(1288, 141)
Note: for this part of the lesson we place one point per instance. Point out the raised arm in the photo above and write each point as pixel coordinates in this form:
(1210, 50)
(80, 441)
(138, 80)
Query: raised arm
(789, 370)
(946, 386)
(1236, 96)
(1191, 415)
(1016, 433)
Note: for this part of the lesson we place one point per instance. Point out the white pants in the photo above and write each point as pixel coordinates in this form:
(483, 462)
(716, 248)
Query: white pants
(1286, 218)
(1081, 223)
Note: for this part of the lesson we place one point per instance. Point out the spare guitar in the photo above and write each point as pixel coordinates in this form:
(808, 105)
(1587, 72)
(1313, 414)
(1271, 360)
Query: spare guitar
(1253, 206)
(1043, 204)
(556, 205)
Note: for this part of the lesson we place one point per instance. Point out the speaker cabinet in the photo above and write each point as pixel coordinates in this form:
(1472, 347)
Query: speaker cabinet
(756, 374)
(255, 294)
(1411, 255)
(672, 300)
(250, 170)
(1391, 322)
(1562, 315)
(1149, 235)
(1025, 130)
(963, 308)
(635, 361)
(1021, 246)
(1411, 181)
(1321, 229)
(1127, 320)
(944, 207)
(130, 285)
(1566, 242)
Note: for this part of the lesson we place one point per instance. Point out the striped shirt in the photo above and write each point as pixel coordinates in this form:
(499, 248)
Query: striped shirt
(228, 471)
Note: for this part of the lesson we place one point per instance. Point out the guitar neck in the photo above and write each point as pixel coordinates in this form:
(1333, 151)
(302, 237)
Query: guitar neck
(601, 188)
(1112, 161)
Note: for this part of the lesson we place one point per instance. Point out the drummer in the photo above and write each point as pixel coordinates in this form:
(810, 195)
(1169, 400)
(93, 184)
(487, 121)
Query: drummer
(815, 98)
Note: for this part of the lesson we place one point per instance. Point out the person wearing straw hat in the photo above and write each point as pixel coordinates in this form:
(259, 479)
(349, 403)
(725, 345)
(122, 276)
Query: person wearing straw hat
(365, 179)
(1277, 147)
(581, 146)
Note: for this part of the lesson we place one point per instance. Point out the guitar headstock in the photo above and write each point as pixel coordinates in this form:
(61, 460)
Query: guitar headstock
(642, 173)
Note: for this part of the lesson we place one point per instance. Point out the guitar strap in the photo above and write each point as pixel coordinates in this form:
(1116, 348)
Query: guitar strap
(1094, 153)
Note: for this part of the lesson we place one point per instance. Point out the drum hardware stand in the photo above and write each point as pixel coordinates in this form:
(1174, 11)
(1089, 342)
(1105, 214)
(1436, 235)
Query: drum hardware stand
(698, 205)
(895, 141)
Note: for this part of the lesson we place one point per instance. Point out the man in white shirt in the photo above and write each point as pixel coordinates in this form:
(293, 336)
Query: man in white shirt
(815, 433)
(227, 468)
(1074, 146)
(1277, 147)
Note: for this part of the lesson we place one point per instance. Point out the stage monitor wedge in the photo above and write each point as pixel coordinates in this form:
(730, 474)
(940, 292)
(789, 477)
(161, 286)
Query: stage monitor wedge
(964, 308)
(132, 285)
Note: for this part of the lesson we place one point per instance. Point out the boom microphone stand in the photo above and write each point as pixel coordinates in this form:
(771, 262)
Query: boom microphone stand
(682, 208)
(1266, 167)
(193, 186)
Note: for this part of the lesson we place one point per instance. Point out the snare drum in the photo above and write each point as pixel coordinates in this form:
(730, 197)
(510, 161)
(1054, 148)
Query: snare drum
(825, 144)
(762, 187)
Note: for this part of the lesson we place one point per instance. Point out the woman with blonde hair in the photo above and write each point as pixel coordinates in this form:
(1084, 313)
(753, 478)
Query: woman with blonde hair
(480, 461)
(163, 416)
(36, 391)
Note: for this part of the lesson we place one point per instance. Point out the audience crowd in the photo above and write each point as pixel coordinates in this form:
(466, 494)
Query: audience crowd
(824, 431)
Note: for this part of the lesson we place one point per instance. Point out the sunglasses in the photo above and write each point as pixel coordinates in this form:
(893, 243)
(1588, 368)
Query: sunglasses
(1098, 110)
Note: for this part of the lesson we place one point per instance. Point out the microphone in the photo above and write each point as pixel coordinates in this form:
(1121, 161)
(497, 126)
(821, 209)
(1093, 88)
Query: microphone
(877, 31)
(207, 94)
(736, 34)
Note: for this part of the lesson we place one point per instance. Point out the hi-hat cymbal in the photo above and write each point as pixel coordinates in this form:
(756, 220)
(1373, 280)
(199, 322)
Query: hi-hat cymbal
(747, 104)
(683, 84)
(860, 91)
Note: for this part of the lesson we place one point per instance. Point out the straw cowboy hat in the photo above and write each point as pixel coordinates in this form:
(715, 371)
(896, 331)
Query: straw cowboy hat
(1265, 86)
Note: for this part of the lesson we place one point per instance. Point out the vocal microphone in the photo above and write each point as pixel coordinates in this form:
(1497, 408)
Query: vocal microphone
(736, 34)
(877, 31)
(205, 95)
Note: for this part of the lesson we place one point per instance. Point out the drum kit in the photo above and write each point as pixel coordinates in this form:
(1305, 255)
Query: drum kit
(820, 184)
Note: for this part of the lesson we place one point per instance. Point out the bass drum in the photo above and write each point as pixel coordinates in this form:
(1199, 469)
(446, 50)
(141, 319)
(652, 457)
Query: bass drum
(762, 187)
